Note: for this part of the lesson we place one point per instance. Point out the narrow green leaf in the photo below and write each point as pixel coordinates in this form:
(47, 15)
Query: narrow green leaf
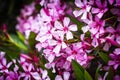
(97, 72)
(87, 76)
(104, 57)
(110, 74)
(13, 52)
(32, 40)
(16, 41)
(21, 36)
(78, 70)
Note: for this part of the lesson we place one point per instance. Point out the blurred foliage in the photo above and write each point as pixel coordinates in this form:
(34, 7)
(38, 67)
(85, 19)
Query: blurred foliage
(9, 10)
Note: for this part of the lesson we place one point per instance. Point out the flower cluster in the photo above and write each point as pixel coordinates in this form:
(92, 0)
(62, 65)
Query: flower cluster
(29, 70)
(61, 39)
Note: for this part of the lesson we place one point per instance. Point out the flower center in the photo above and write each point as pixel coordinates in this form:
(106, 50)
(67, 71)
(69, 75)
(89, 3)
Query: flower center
(65, 29)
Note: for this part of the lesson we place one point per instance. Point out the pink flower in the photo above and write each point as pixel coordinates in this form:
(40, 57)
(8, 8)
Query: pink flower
(115, 62)
(3, 63)
(96, 26)
(46, 33)
(49, 54)
(66, 76)
(29, 72)
(58, 42)
(84, 9)
(111, 1)
(117, 77)
(66, 28)
(102, 8)
(77, 53)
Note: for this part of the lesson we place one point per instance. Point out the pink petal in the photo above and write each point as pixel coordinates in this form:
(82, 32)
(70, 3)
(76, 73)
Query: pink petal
(43, 39)
(105, 3)
(117, 51)
(84, 16)
(44, 74)
(66, 75)
(78, 3)
(77, 13)
(4, 61)
(30, 67)
(73, 27)
(64, 45)
(26, 78)
(2, 54)
(69, 35)
(52, 42)
(118, 39)
(58, 25)
(9, 64)
(116, 66)
(51, 58)
(1, 66)
(57, 49)
(70, 58)
(110, 29)
(82, 36)
(88, 8)
(99, 15)
(66, 21)
(36, 76)
(95, 10)
(68, 50)
(58, 77)
(95, 42)
(98, 2)
(106, 46)
(111, 63)
(85, 29)
(38, 46)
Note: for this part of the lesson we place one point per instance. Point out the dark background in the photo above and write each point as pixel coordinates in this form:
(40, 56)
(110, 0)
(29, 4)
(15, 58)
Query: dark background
(9, 10)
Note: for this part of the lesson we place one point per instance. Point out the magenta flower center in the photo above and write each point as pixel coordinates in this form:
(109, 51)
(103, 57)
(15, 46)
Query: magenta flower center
(65, 29)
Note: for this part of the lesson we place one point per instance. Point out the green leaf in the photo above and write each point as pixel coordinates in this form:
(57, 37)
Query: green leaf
(87, 76)
(104, 57)
(21, 36)
(97, 72)
(32, 40)
(77, 22)
(38, 7)
(80, 73)
(110, 74)
(78, 70)
(16, 41)
(12, 51)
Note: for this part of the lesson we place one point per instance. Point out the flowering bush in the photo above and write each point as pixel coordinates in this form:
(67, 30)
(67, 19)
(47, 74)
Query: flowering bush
(63, 40)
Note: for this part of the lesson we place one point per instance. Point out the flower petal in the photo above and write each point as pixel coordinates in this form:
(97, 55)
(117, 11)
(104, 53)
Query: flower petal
(58, 77)
(77, 13)
(36, 76)
(69, 35)
(52, 42)
(73, 27)
(66, 21)
(57, 49)
(66, 75)
(58, 25)
(78, 3)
